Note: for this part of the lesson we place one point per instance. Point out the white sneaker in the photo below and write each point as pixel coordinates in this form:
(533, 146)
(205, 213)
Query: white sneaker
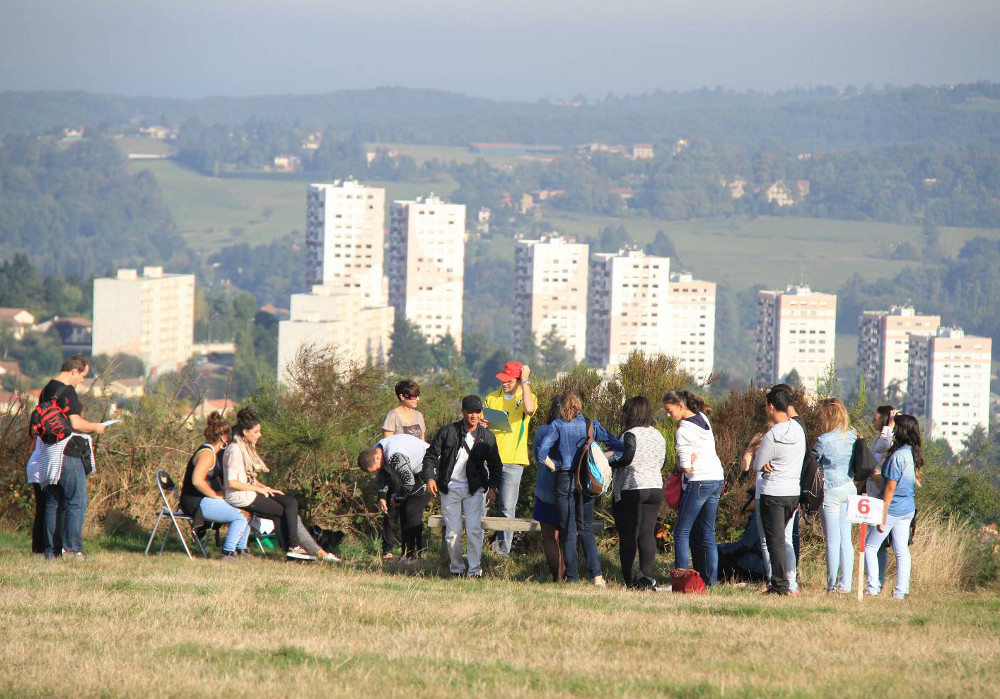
(330, 558)
(599, 581)
(299, 554)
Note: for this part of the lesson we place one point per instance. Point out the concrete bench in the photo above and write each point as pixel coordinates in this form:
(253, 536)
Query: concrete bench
(497, 524)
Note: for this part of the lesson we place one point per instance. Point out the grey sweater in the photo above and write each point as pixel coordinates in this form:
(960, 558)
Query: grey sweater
(784, 446)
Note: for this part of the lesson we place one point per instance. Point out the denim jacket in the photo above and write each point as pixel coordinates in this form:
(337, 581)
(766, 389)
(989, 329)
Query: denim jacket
(833, 452)
(568, 437)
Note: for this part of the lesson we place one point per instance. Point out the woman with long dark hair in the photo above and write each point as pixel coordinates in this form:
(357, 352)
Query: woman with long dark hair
(202, 498)
(638, 491)
(703, 477)
(245, 490)
(901, 474)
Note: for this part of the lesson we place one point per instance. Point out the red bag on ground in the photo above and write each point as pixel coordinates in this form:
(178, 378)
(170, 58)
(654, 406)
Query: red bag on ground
(672, 491)
(687, 581)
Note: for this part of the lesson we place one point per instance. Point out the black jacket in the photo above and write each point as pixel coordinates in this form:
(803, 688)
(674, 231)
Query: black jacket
(483, 468)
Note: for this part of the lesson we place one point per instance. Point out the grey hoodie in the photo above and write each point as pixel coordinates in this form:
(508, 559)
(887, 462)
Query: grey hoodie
(784, 446)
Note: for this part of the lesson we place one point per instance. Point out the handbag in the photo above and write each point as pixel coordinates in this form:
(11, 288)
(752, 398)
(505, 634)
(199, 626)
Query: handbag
(687, 581)
(672, 491)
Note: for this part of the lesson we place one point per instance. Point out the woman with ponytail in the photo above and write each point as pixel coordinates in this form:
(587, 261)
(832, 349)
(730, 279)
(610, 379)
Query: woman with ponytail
(702, 469)
(243, 465)
(900, 477)
(202, 497)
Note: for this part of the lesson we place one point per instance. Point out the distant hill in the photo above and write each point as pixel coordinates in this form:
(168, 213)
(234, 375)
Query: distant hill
(947, 116)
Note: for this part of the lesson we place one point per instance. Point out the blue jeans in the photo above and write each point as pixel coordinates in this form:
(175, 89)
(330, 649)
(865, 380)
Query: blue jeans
(699, 505)
(510, 489)
(899, 529)
(576, 520)
(69, 498)
(837, 530)
(218, 510)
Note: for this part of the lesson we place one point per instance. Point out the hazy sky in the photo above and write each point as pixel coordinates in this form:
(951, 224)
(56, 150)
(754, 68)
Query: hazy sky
(512, 49)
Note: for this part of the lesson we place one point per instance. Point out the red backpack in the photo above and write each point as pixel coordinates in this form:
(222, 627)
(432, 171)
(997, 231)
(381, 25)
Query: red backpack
(49, 422)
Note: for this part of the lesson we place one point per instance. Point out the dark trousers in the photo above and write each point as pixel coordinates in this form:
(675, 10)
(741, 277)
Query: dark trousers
(38, 526)
(776, 510)
(411, 522)
(635, 519)
(388, 525)
(284, 509)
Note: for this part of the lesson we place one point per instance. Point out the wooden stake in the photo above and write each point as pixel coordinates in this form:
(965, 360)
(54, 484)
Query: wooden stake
(861, 561)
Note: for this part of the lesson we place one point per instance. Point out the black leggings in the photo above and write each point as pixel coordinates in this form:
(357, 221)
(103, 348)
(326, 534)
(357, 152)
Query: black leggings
(635, 519)
(282, 508)
(411, 522)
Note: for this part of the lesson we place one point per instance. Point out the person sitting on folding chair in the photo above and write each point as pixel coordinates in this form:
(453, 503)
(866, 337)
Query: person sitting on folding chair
(242, 464)
(202, 498)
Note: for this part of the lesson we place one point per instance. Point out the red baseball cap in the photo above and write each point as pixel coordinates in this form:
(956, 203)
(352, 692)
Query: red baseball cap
(511, 371)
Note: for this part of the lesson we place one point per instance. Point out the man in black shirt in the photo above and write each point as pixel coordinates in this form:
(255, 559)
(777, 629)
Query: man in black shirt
(66, 487)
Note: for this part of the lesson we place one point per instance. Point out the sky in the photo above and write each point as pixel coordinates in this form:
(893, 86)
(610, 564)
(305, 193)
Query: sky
(516, 49)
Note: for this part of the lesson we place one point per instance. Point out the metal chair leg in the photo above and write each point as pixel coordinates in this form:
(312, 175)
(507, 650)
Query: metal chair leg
(180, 535)
(152, 534)
(197, 540)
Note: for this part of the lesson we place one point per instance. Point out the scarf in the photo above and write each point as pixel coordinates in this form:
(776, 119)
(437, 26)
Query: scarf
(252, 462)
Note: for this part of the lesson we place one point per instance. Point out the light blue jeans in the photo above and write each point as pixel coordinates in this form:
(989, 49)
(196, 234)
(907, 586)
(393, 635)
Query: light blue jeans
(837, 530)
(899, 529)
(510, 489)
(69, 497)
(791, 563)
(218, 510)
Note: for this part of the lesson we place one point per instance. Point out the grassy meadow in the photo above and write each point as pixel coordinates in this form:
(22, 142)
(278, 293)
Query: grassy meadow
(122, 624)
(212, 212)
(776, 250)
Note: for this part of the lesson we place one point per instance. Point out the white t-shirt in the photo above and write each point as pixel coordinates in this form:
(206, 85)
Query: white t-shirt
(459, 479)
(406, 444)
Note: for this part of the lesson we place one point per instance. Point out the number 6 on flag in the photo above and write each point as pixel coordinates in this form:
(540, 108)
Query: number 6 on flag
(862, 509)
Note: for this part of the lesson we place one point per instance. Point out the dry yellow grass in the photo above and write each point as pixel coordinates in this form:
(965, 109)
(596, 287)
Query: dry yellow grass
(121, 624)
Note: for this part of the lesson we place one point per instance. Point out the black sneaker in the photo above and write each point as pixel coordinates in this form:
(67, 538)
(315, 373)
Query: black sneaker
(645, 583)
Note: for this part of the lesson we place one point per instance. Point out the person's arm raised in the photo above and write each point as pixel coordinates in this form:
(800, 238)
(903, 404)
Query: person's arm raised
(529, 404)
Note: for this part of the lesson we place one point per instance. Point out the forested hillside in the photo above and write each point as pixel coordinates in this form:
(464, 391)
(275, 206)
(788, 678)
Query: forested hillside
(819, 118)
(75, 210)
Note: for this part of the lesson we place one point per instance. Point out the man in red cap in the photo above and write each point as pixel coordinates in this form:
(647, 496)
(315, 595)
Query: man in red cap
(515, 398)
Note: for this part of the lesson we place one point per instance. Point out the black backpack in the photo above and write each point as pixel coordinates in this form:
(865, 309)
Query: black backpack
(50, 422)
(811, 485)
(863, 462)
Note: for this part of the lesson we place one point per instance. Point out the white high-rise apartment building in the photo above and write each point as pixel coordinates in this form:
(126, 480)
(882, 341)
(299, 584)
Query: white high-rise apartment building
(550, 290)
(949, 383)
(795, 330)
(327, 317)
(629, 306)
(884, 344)
(692, 324)
(345, 239)
(150, 317)
(426, 265)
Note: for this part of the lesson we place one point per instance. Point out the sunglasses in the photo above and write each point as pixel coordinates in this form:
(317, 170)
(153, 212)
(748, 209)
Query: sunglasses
(408, 396)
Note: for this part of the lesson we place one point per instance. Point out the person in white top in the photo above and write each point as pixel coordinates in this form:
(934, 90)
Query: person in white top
(638, 491)
(698, 461)
(779, 460)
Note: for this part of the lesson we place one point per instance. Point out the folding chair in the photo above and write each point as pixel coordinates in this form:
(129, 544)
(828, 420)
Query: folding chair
(165, 484)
